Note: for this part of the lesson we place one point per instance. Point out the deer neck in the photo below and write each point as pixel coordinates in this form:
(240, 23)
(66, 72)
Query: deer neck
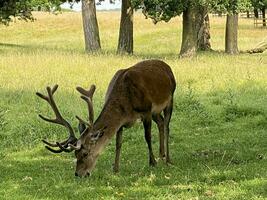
(112, 119)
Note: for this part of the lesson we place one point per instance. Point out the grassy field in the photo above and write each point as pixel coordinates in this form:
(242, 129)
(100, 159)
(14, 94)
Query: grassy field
(218, 130)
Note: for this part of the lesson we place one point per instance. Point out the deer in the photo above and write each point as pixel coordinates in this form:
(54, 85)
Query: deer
(143, 92)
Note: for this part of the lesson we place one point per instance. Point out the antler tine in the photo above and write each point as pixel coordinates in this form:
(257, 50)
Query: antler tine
(64, 149)
(54, 88)
(42, 96)
(83, 122)
(88, 93)
(53, 150)
(90, 108)
(55, 145)
(87, 96)
(58, 120)
(75, 147)
(46, 97)
(70, 147)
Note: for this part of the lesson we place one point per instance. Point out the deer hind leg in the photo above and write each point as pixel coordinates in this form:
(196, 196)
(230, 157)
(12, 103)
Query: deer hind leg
(167, 118)
(118, 150)
(160, 123)
(147, 126)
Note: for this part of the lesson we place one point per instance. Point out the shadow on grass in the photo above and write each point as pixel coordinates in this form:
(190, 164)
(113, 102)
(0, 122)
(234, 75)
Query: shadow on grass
(39, 174)
(207, 156)
(31, 49)
(11, 45)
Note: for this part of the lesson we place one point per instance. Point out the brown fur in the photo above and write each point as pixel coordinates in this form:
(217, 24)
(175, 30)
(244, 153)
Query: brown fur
(141, 91)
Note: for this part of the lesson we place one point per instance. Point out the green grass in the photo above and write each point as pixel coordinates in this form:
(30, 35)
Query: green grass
(218, 130)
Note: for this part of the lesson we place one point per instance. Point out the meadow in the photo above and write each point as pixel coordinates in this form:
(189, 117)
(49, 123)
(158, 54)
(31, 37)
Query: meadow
(218, 139)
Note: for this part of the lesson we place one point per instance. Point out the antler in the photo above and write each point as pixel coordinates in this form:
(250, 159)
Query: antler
(58, 120)
(87, 96)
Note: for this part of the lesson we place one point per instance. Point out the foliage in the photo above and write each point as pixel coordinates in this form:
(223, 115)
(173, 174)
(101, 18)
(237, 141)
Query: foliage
(160, 9)
(230, 6)
(15, 8)
(166, 9)
(217, 137)
(22, 9)
(259, 4)
(46, 5)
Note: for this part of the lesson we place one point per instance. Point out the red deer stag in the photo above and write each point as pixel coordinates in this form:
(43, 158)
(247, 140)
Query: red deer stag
(141, 91)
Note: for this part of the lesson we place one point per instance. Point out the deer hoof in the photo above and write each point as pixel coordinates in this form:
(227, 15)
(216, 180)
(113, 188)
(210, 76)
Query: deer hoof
(115, 168)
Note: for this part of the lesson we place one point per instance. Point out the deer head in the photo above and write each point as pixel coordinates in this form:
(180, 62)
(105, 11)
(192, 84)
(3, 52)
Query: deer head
(84, 147)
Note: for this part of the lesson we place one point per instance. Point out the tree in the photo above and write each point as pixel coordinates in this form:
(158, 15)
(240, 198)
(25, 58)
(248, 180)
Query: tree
(89, 18)
(232, 8)
(90, 26)
(196, 35)
(260, 5)
(203, 35)
(263, 16)
(125, 44)
(15, 8)
(189, 35)
(194, 25)
(22, 9)
(231, 34)
(231, 30)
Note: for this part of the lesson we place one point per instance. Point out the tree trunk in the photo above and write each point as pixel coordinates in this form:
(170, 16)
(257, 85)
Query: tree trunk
(248, 14)
(263, 16)
(203, 29)
(189, 35)
(256, 13)
(231, 34)
(90, 26)
(125, 44)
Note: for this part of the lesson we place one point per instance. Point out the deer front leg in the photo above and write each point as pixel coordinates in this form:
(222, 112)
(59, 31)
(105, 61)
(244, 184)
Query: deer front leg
(118, 150)
(147, 127)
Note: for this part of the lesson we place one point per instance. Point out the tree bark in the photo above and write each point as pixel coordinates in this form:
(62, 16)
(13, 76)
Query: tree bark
(90, 26)
(196, 31)
(203, 29)
(263, 16)
(256, 13)
(125, 44)
(231, 34)
(189, 35)
(248, 14)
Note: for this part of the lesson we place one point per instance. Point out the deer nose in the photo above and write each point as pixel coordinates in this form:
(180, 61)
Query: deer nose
(76, 174)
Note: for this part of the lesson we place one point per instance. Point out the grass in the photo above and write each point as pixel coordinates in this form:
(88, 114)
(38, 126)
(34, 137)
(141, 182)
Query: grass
(218, 130)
